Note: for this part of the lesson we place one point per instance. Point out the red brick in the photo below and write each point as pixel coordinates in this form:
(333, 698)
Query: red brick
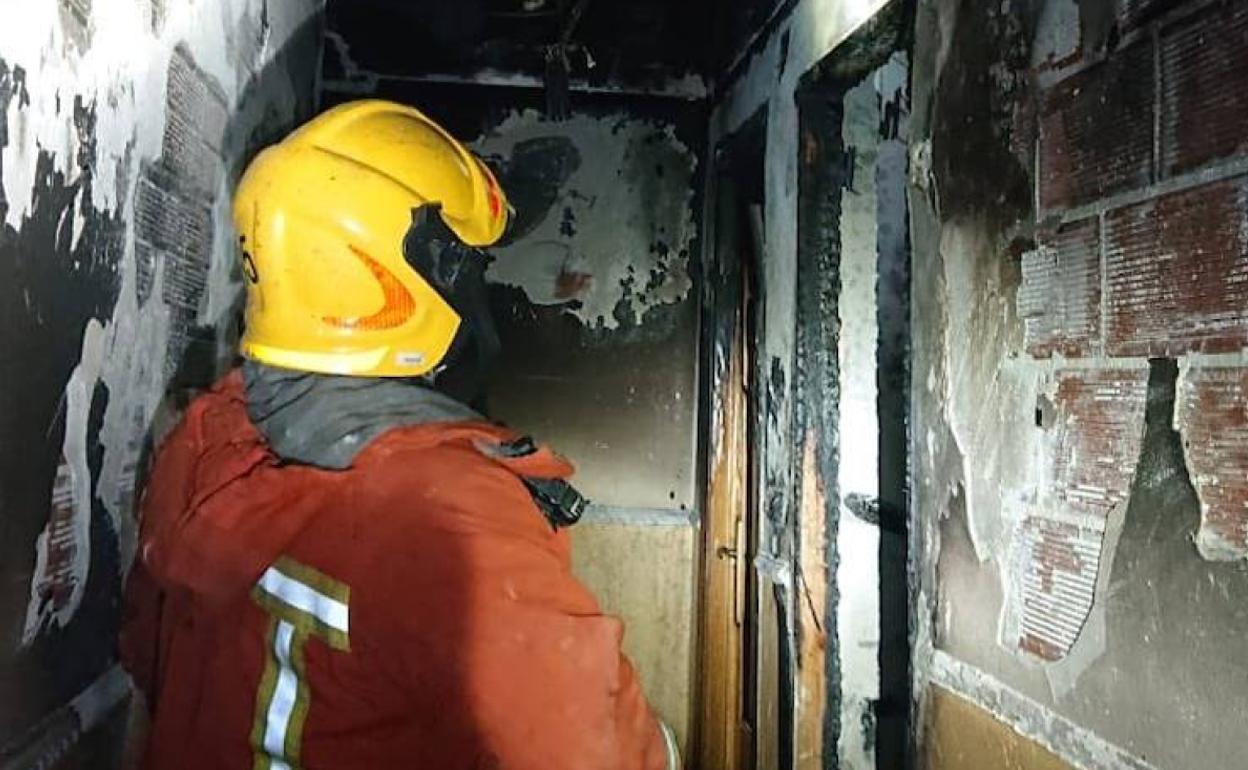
(1204, 103)
(1058, 584)
(1177, 273)
(1211, 413)
(1090, 465)
(1096, 130)
(1100, 424)
(1060, 299)
(58, 581)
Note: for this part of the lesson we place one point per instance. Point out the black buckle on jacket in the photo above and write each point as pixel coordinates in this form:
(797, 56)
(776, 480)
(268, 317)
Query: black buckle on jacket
(562, 505)
(558, 500)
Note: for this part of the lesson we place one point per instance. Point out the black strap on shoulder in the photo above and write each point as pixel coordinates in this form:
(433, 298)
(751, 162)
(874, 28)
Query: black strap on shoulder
(520, 447)
(558, 500)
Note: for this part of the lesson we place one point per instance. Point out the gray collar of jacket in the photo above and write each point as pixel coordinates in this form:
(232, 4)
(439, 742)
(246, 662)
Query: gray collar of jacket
(326, 420)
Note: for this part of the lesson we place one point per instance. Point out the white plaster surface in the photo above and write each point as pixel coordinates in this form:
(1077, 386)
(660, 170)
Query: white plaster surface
(984, 399)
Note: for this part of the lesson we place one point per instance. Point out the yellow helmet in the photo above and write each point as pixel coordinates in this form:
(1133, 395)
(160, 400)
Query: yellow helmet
(323, 220)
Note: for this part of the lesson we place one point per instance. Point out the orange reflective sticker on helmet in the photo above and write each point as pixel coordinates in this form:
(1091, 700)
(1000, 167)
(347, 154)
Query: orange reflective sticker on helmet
(496, 201)
(397, 306)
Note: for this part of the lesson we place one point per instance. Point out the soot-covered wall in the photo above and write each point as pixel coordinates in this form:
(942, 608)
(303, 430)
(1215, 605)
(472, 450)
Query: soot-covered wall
(1081, 391)
(123, 124)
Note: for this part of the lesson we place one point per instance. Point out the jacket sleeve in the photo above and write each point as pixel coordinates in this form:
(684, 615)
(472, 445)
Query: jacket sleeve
(538, 667)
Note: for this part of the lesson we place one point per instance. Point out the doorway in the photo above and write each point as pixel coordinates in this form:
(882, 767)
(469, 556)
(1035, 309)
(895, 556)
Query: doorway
(852, 391)
(740, 713)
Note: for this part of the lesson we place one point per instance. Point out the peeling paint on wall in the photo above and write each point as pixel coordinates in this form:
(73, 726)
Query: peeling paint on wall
(63, 550)
(606, 254)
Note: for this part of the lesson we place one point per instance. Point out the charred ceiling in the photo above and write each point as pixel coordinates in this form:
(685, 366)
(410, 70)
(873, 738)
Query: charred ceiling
(626, 41)
(636, 43)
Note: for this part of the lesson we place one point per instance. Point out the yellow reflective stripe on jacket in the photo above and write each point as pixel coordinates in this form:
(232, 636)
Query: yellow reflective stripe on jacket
(304, 603)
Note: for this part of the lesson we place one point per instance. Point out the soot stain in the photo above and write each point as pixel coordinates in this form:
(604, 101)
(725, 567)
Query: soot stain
(52, 282)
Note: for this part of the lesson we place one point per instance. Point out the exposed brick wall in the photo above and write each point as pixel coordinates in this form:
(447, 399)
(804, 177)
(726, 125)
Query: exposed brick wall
(1212, 413)
(58, 549)
(1204, 92)
(1060, 299)
(1177, 272)
(1142, 160)
(1090, 463)
(173, 211)
(1094, 140)
(1062, 562)
(1101, 423)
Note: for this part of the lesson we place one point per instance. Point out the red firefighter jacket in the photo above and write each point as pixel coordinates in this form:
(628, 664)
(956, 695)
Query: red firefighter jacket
(414, 611)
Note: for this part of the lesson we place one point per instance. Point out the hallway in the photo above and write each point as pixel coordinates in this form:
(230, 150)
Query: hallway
(899, 345)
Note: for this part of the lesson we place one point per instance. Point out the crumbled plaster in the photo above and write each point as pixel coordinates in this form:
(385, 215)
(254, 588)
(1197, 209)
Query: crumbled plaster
(1063, 675)
(984, 399)
(972, 387)
(121, 75)
(1101, 528)
(606, 253)
(982, 385)
(991, 393)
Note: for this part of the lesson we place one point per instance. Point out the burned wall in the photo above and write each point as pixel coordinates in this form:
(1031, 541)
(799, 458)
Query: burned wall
(872, 351)
(122, 127)
(1078, 212)
(594, 286)
(598, 295)
(816, 224)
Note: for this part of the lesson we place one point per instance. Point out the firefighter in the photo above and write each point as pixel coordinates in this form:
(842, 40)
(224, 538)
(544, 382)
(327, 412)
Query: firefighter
(341, 564)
